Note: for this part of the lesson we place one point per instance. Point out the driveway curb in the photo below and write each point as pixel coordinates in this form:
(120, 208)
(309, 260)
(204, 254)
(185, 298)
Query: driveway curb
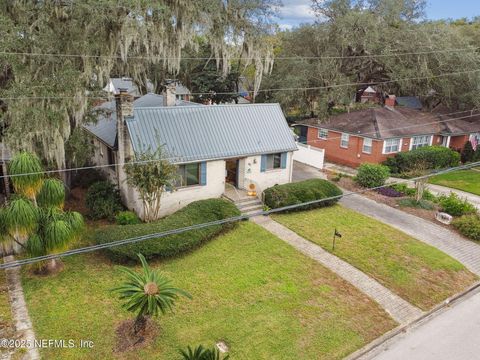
(375, 344)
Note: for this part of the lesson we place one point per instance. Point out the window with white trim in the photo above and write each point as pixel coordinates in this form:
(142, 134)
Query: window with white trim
(344, 140)
(391, 146)
(367, 146)
(322, 134)
(420, 141)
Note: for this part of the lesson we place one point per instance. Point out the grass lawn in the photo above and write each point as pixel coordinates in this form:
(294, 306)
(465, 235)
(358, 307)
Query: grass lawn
(419, 273)
(250, 289)
(466, 180)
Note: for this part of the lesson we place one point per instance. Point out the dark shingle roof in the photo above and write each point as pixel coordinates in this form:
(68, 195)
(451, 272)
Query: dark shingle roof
(191, 134)
(385, 122)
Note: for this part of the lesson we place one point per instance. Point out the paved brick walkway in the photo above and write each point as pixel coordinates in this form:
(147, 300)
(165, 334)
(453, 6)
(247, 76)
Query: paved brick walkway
(23, 325)
(465, 251)
(399, 309)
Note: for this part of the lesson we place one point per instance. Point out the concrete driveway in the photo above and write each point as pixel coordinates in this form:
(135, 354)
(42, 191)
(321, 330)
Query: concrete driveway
(304, 172)
(451, 334)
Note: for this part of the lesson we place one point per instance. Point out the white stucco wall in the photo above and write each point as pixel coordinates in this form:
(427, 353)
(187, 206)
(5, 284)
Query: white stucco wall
(100, 157)
(173, 201)
(264, 180)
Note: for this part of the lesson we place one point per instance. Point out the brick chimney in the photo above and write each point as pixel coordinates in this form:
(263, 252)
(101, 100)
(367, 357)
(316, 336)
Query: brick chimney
(124, 108)
(390, 100)
(169, 94)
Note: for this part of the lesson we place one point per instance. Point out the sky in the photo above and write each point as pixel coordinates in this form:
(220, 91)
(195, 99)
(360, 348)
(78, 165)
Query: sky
(295, 12)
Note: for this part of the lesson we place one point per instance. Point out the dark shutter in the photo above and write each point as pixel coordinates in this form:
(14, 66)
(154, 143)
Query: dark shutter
(283, 160)
(263, 163)
(203, 173)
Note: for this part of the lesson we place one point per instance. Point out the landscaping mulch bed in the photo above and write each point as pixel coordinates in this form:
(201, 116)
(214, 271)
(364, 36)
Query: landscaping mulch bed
(349, 184)
(127, 340)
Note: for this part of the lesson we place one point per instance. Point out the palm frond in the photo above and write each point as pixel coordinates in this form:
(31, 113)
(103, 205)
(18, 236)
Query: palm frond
(26, 163)
(52, 194)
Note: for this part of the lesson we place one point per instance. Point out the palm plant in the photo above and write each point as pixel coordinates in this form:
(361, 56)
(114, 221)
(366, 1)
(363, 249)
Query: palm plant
(55, 231)
(36, 220)
(20, 219)
(201, 353)
(147, 294)
(27, 185)
(51, 194)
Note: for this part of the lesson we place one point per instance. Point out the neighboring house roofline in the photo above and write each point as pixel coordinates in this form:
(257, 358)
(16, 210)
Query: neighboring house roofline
(369, 136)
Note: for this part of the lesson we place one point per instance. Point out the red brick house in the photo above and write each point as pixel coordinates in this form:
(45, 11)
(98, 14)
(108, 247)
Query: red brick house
(373, 135)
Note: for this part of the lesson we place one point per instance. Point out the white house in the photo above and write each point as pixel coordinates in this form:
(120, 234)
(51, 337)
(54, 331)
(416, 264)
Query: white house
(212, 145)
(115, 84)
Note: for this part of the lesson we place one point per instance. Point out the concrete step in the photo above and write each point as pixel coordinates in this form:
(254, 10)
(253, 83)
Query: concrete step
(251, 212)
(248, 204)
(255, 207)
(246, 200)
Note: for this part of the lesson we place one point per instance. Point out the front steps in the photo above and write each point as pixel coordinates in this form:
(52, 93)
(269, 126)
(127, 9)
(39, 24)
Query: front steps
(249, 206)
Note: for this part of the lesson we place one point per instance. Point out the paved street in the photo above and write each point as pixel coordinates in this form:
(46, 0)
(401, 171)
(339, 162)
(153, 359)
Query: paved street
(450, 335)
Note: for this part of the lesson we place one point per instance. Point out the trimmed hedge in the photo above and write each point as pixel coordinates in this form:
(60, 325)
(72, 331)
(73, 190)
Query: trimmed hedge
(468, 225)
(427, 157)
(372, 175)
(296, 193)
(195, 213)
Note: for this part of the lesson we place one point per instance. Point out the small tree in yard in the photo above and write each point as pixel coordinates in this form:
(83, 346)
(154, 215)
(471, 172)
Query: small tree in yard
(468, 153)
(150, 175)
(34, 218)
(147, 294)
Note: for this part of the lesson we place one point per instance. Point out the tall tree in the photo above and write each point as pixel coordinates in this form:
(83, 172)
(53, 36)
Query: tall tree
(135, 35)
(362, 42)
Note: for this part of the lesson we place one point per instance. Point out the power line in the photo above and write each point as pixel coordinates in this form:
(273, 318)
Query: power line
(326, 87)
(217, 222)
(195, 157)
(296, 58)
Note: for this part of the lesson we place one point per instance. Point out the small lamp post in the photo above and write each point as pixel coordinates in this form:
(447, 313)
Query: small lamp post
(335, 235)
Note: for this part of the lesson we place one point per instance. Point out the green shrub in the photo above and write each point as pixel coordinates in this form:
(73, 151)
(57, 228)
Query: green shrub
(424, 158)
(427, 195)
(404, 189)
(468, 225)
(455, 206)
(103, 200)
(296, 193)
(195, 213)
(372, 175)
(127, 218)
(468, 153)
(86, 178)
(422, 204)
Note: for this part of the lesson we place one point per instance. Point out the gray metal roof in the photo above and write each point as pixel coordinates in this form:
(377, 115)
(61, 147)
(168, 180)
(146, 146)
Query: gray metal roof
(106, 126)
(412, 102)
(198, 133)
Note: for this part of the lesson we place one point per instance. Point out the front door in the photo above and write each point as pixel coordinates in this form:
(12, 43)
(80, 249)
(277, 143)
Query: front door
(232, 172)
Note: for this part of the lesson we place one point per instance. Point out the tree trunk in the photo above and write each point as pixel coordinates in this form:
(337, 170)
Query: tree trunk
(419, 189)
(139, 324)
